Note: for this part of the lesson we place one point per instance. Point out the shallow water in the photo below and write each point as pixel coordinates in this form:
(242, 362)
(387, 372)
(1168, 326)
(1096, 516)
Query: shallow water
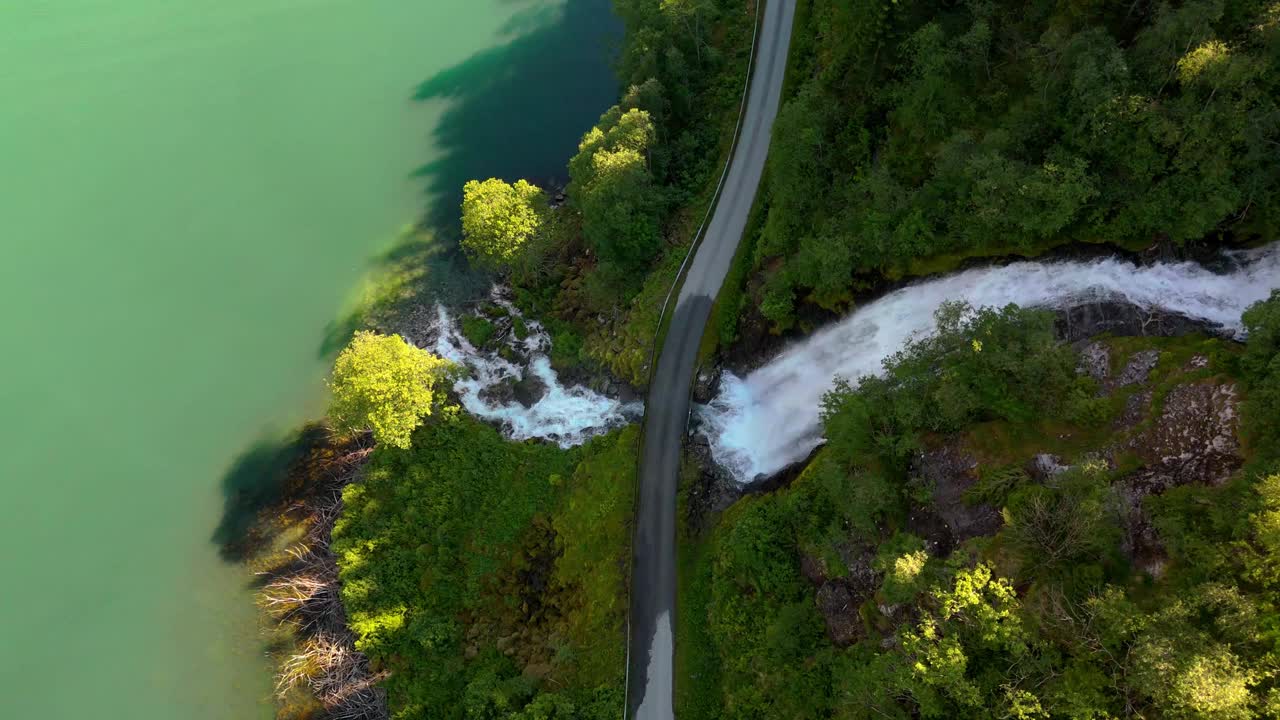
(189, 190)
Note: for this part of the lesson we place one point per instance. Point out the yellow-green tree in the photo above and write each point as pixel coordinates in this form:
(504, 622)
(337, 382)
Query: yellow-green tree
(498, 219)
(384, 384)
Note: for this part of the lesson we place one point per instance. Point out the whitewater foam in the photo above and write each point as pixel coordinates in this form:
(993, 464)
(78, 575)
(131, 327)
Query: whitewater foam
(565, 415)
(759, 424)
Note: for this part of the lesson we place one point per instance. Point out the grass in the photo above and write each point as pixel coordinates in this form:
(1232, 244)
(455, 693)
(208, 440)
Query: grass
(697, 691)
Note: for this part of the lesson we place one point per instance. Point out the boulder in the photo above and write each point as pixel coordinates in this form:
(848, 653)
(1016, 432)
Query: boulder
(1045, 466)
(706, 384)
(529, 389)
(503, 393)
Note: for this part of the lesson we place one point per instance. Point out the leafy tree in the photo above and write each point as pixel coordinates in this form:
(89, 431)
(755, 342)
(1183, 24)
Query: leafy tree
(382, 383)
(902, 560)
(612, 186)
(976, 616)
(1188, 675)
(1054, 528)
(1261, 367)
(499, 219)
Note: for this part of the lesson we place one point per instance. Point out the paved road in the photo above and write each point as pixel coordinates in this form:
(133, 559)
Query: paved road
(650, 661)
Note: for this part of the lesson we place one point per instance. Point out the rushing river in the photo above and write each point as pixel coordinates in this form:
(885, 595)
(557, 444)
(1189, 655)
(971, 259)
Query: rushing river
(759, 424)
(769, 419)
(189, 191)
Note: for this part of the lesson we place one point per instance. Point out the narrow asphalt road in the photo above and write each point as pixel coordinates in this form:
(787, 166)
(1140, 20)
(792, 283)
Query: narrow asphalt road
(651, 645)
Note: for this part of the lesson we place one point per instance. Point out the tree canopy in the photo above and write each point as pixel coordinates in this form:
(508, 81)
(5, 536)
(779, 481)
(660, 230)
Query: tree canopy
(499, 218)
(612, 186)
(924, 133)
(384, 384)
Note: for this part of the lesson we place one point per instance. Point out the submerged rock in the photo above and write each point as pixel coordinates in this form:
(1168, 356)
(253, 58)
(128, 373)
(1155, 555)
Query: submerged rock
(502, 393)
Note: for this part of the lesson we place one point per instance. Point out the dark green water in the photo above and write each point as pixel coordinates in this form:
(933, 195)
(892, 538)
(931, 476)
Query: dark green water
(188, 192)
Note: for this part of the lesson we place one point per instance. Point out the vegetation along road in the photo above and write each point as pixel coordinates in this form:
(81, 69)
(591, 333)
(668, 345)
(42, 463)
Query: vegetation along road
(650, 663)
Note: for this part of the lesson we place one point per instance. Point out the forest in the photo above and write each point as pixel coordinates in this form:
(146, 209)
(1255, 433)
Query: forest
(1077, 569)
(994, 526)
(924, 134)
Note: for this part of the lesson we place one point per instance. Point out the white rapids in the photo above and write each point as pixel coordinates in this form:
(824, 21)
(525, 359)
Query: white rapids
(759, 424)
(565, 415)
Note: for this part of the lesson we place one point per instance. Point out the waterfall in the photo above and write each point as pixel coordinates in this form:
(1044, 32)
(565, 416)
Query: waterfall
(565, 415)
(763, 422)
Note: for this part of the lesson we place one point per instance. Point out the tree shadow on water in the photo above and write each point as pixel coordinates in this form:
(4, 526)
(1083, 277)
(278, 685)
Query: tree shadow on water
(515, 110)
(258, 483)
(518, 110)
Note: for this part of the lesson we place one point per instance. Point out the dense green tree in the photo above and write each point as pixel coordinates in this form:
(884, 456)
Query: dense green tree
(499, 220)
(613, 188)
(922, 134)
(384, 384)
(1261, 367)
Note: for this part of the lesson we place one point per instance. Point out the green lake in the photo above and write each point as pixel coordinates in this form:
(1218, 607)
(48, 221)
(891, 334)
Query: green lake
(189, 191)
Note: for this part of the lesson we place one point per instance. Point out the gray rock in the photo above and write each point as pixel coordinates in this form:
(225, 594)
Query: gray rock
(706, 384)
(1118, 317)
(529, 389)
(1045, 467)
(502, 393)
(1095, 361)
(1195, 437)
(1135, 410)
(1193, 441)
(1138, 369)
(839, 606)
(1197, 362)
(950, 470)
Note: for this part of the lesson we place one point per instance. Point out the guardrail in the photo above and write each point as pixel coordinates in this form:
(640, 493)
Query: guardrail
(660, 331)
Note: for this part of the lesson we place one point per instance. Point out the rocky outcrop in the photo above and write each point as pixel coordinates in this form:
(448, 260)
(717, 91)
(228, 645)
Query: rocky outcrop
(838, 606)
(927, 525)
(1194, 440)
(950, 470)
(712, 491)
(1089, 319)
(706, 384)
(842, 591)
(1137, 370)
(1095, 361)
